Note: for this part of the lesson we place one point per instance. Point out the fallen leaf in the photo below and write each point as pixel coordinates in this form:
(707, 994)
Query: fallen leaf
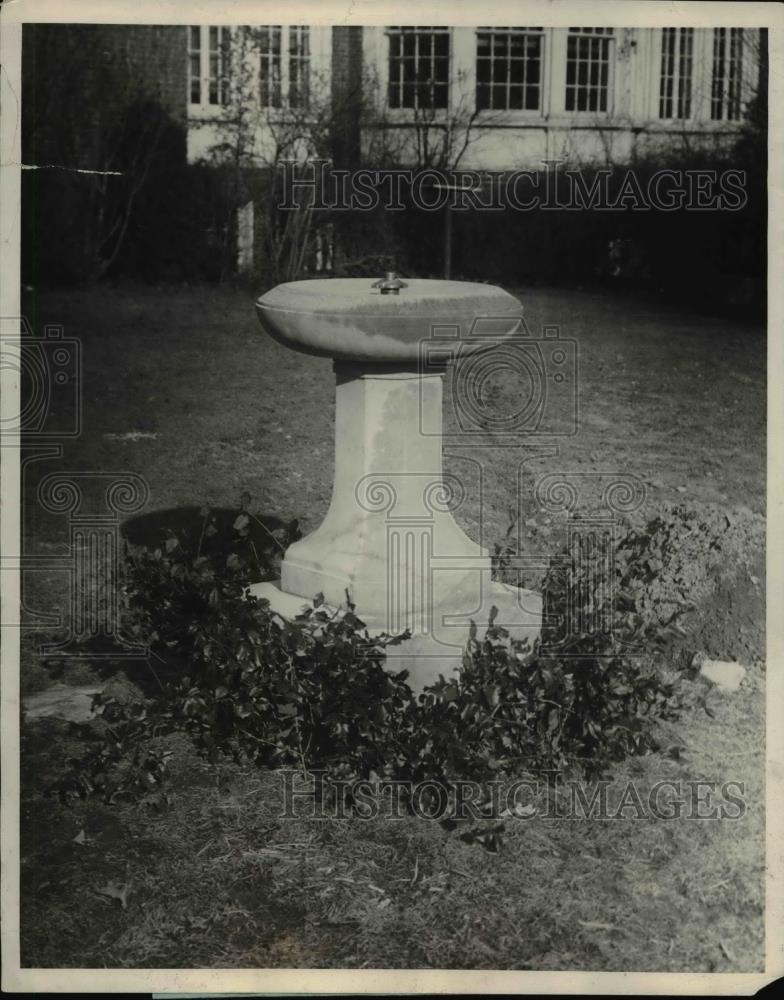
(113, 890)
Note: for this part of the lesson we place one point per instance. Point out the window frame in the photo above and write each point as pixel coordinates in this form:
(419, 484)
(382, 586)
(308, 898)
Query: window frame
(209, 82)
(727, 101)
(280, 85)
(511, 113)
(677, 77)
(609, 35)
(411, 111)
(301, 56)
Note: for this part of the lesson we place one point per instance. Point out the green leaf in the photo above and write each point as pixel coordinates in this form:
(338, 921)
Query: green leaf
(450, 692)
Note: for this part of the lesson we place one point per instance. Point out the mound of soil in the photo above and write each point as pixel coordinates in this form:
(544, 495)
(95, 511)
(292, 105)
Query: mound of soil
(710, 562)
(703, 569)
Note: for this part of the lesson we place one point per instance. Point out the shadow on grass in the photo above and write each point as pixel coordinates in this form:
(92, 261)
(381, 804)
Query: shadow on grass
(208, 530)
(215, 533)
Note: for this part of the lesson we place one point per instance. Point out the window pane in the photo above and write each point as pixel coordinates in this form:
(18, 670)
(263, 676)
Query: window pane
(441, 70)
(717, 84)
(442, 44)
(195, 81)
(518, 44)
(441, 95)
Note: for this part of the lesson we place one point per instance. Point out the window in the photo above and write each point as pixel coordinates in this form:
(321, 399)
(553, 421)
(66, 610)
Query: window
(194, 65)
(208, 51)
(284, 72)
(509, 68)
(299, 66)
(727, 74)
(269, 44)
(588, 69)
(217, 82)
(676, 70)
(418, 67)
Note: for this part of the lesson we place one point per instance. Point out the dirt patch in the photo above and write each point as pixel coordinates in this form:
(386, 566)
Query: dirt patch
(709, 561)
(730, 623)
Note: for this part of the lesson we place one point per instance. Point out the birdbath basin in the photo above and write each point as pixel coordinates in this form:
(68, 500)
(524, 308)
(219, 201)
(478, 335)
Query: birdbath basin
(389, 540)
(354, 319)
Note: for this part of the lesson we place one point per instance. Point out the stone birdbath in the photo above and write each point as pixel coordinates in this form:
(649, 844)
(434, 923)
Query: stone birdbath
(389, 539)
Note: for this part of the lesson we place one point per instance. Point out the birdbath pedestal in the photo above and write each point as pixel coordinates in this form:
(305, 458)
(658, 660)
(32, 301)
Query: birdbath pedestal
(389, 539)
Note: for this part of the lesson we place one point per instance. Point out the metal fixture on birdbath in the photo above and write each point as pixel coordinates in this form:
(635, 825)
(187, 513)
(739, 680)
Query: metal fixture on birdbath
(389, 539)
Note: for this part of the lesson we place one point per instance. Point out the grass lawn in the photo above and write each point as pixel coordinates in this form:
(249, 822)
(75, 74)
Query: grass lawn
(181, 387)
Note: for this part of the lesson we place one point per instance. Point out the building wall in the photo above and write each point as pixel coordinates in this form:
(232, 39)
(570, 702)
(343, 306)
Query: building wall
(79, 78)
(271, 128)
(348, 61)
(156, 54)
(522, 139)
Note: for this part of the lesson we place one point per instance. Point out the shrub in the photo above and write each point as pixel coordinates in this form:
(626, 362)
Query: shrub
(313, 692)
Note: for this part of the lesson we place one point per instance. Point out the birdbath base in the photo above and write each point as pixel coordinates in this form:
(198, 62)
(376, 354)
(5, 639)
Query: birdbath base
(440, 652)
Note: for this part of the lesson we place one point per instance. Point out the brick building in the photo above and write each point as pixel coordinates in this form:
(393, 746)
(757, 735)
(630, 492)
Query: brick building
(106, 67)
(104, 109)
